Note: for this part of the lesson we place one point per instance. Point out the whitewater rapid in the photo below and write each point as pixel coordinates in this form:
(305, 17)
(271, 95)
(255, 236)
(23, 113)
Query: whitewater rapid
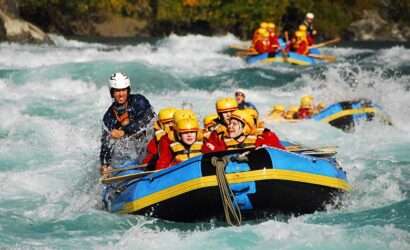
(53, 98)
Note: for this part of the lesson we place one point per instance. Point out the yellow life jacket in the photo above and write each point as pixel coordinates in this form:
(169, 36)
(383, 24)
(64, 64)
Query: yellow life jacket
(182, 154)
(221, 130)
(259, 131)
(206, 133)
(232, 144)
(159, 133)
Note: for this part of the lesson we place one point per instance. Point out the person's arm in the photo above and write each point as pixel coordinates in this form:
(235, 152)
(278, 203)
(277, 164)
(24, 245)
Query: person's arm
(165, 155)
(152, 151)
(269, 138)
(108, 125)
(213, 144)
(142, 114)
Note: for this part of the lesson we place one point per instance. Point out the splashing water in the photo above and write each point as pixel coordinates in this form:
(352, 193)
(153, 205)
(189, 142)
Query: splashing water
(51, 108)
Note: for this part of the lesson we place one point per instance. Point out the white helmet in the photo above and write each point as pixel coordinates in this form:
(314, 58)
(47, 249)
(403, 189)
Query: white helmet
(119, 81)
(240, 91)
(310, 15)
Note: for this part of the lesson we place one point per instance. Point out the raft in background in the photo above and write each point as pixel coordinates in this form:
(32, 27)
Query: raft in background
(292, 58)
(270, 181)
(347, 115)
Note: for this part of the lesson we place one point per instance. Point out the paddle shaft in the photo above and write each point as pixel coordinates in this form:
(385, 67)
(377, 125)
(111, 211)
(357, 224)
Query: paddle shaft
(129, 168)
(126, 177)
(328, 58)
(295, 149)
(319, 45)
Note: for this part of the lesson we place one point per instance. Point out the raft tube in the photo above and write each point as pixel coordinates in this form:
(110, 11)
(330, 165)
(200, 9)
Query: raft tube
(271, 181)
(347, 114)
(293, 58)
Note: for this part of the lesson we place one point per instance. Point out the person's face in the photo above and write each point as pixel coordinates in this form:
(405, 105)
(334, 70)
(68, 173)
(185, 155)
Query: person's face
(235, 128)
(239, 97)
(120, 95)
(168, 126)
(309, 20)
(226, 116)
(188, 138)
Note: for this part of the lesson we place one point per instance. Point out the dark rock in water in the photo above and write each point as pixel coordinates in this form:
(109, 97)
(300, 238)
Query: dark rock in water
(13, 29)
(373, 27)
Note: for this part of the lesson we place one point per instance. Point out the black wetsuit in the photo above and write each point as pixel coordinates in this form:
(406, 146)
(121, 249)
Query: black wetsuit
(140, 113)
(244, 105)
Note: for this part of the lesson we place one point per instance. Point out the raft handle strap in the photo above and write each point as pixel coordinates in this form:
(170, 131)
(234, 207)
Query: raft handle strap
(232, 211)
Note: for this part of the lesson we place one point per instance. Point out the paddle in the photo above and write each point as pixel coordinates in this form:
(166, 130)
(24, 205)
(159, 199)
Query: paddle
(126, 177)
(300, 149)
(328, 58)
(319, 45)
(246, 53)
(129, 168)
(239, 47)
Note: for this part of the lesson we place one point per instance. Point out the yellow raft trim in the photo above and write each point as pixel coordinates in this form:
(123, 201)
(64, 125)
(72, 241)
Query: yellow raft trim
(349, 112)
(290, 60)
(210, 181)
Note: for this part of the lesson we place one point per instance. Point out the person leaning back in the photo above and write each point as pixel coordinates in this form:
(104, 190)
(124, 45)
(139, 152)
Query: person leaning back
(128, 115)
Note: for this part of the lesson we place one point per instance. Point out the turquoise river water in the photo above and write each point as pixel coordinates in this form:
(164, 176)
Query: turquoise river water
(53, 98)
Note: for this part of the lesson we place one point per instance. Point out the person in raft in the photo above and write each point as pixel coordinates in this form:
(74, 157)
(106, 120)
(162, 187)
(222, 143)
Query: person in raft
(306, 107)
(163, 126)
(187, 144)
(241, 134)
(311, 32)
(224, 108)
(209, 124)
(240, 98)
(127, 119)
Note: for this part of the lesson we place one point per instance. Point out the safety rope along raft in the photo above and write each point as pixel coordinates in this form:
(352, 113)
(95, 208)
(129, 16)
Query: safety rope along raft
(232, 211)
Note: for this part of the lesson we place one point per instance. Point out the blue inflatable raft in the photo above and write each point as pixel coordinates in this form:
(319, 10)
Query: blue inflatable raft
(269, 181)
(292, 57)
(347, 114)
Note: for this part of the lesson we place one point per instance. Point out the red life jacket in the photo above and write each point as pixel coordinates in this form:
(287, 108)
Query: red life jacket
(302, 48)
(304, 113)
(274, 42)
(262, 46)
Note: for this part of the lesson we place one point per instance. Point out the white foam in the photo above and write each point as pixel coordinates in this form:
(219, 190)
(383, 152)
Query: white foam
(393, 57)
(296, 234)
(188, 55)
(54, 157)
(63, 42)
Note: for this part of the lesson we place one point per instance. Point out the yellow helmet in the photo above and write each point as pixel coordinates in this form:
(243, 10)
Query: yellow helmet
(264, 25)
(264, 33)
(246, 119)
(260, 30)
(183, 114)
(302, 28)
(252, 112)
(293, 109)
(278, 108)
(227, 104)
(187, 125)
(299, 34)
(271, 26)
(166, 115)
(209, 120)
(321, 105)
(306, 101)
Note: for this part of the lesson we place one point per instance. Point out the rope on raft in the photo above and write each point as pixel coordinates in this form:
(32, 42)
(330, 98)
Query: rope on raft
(232, 211)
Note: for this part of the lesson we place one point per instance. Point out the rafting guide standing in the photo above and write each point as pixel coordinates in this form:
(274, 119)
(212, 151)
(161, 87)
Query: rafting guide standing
(125, 124)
